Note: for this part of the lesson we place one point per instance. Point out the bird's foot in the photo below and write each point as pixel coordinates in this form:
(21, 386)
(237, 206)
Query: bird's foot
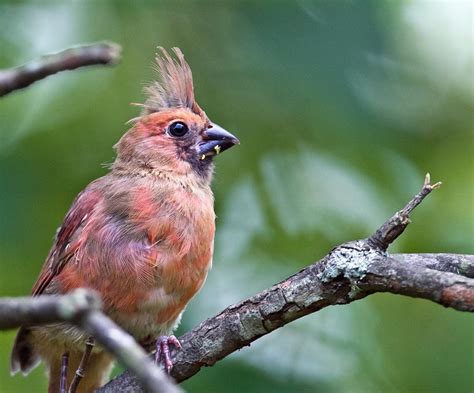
(163, 351)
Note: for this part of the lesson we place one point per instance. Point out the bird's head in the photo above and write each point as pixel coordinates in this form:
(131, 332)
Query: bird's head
(173, 133)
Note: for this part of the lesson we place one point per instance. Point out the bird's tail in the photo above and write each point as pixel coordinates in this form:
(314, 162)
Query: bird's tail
(24, 356)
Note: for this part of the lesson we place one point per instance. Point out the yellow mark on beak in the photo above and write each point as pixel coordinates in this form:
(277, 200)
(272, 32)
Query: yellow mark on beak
(217, 148)
(203, 157)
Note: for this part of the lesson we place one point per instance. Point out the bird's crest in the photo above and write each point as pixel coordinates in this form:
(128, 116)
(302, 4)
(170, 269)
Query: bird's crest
(174, 87)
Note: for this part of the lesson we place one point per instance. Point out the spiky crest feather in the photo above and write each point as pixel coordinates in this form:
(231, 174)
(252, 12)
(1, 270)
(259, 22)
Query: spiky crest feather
(174, 87)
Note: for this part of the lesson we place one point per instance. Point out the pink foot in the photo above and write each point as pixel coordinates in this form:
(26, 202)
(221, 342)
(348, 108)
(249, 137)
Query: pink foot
(163, 351)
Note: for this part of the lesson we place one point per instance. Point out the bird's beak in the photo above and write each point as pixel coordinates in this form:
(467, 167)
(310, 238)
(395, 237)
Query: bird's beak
(215, 140)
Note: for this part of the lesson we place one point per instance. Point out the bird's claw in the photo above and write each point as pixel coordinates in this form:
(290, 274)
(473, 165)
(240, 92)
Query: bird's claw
(163, 351)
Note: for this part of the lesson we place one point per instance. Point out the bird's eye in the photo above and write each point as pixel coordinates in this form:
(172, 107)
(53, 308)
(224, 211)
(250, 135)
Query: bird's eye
(178, 129)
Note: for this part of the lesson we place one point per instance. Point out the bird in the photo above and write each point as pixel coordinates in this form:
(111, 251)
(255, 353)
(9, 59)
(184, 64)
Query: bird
(142, 236)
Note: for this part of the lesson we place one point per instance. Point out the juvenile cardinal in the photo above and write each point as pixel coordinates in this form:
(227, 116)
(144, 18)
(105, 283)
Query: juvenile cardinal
(141, 236)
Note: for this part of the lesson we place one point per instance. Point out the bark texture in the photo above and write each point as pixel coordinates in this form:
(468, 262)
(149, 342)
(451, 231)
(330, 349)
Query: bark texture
(103, 53)
(350, 272)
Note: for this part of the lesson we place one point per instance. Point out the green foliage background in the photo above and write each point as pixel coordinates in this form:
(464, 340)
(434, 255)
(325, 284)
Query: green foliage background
(341, 108)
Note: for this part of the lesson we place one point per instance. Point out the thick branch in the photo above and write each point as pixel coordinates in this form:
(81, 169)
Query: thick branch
(452, 263)
(349, 272)
(82, 308)
(79, 56)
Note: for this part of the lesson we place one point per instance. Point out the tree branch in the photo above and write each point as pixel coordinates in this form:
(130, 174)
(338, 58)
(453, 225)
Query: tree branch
(82, 308)
(349, 272)
(18, 311)
(394, 226)
(105, 53)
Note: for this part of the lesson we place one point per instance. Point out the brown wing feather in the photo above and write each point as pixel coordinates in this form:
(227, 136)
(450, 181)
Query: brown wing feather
(67, 240)
(24, 356)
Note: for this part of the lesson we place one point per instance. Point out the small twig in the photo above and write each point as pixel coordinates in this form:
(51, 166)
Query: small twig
(63, 375)
(12, 79)
(394, 227)
(82, 366)
(417, 199)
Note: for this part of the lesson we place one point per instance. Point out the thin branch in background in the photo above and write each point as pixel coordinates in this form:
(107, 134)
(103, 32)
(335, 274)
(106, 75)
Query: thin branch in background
(82, 365)
(63, 378)
(104, 53)
(82, 308)
(349, 272)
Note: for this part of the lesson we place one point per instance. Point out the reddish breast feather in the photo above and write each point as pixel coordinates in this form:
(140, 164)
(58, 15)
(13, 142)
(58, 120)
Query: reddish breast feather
(145, 240)
(180, 228)
(180, 225)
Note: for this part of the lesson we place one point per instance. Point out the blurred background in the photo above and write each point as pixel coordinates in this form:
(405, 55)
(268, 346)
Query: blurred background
(341, 108)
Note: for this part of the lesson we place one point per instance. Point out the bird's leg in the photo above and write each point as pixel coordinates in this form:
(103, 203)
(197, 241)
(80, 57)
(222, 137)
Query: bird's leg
(63, 374)
(163, 350)
(82, 365)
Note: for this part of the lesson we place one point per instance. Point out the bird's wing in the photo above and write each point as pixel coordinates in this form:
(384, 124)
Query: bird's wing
(68, 238)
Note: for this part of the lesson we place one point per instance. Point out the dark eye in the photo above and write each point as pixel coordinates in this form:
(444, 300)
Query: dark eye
(178, 129)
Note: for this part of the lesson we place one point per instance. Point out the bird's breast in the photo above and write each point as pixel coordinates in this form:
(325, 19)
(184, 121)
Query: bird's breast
(162, 252)
(147, 251)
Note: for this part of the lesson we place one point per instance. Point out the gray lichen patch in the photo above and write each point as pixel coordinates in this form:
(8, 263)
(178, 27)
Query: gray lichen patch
(251, 324)
(351, 260)
(273, 303)
(302, 293)
(466, 267)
